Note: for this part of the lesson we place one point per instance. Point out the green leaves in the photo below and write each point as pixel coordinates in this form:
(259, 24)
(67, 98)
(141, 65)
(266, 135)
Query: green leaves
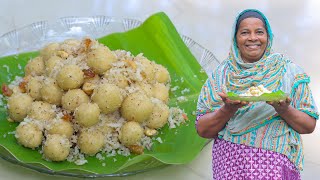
(159, 41)
(274, 96)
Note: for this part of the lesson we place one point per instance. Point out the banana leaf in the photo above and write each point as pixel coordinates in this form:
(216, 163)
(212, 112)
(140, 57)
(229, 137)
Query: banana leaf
(274, 96)
(159, 41)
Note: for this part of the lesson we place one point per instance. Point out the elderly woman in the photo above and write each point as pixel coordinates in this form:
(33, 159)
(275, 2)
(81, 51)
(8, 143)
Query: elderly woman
(256, 140)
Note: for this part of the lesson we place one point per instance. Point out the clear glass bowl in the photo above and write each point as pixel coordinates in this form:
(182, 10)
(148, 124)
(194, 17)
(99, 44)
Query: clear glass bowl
(36, 35)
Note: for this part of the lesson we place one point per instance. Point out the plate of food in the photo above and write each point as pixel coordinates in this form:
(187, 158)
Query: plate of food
(258, 93)
(100, 96)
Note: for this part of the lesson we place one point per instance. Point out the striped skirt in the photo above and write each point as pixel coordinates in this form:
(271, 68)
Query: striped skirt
(241, 162)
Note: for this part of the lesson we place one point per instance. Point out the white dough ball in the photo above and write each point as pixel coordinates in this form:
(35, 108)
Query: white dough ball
(70, 45)
(51, 64)
(33, 88)
(61, 127)
(108, 97)
(104, 128)
(71, 42)
(56, 147)
(35, 67)
(159, 116)
(162, 75)
(70, 77)
(160, 91)
(51, 92)
(90, 142)
(130, 133)
(16, 90)
(145, 88)
(148, 70)
(29, 135)
(87, 114)
(117, 78)
(19, 106)
(41, 111)
(136, 107)
(100, 59)
(73, 99)
(49, 50)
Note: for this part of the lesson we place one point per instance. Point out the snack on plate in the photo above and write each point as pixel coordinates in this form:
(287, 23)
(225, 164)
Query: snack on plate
(80, 98)
(256, 91)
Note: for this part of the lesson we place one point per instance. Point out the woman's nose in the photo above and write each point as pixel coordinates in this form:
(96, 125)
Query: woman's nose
(253, 37)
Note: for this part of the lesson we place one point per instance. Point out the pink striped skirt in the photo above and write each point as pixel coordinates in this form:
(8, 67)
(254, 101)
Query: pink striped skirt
(241, 162)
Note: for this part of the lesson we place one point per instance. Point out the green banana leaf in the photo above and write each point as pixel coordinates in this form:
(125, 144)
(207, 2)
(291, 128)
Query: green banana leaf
(159, 41)
(274, 96)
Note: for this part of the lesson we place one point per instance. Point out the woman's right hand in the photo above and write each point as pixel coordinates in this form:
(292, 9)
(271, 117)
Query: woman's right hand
(231, 106)
(210, 124)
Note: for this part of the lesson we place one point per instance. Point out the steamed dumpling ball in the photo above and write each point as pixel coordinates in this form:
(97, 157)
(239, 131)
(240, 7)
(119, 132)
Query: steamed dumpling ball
(61, 127)
(51, 63)
(145, 88)
(41, 111)
(29, 135)
(160, 91)
(90, 142)
(16, 90)
(49, 50)
(136, 107)
(73, 99)
(103, 128)
(56, 147)
(131, 133)
(159, 116)
(35, 67)
(33, 88)
(122, 81)
(87, 114)
(70, 45)
(51, 92)
(70, 77)
(19, 106)
(108, 97)
(148, 70)
(162, 75)
(100, 59)
(118, 79)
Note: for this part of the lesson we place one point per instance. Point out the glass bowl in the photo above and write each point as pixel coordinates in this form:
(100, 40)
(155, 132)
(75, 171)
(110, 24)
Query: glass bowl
(36, 35)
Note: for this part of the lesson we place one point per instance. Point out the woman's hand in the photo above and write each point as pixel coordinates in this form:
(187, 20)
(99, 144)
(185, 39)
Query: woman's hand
(299, 121)
(210, 124)
(281, 106)
(231, 105)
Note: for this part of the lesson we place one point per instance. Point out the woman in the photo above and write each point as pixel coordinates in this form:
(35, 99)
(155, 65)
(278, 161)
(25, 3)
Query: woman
(256, 140)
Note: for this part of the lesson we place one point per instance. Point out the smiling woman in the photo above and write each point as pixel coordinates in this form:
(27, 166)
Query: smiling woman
(251, 37)
(256, 140)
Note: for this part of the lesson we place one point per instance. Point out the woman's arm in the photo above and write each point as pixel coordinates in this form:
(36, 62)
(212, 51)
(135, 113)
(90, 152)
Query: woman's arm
(299, 121)
(209, 125)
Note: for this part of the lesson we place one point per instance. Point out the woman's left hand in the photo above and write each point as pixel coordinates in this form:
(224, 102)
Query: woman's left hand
(280, 106)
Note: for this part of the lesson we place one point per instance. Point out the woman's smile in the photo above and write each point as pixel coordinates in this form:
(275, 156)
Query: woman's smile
(252, 39)
(253, 47)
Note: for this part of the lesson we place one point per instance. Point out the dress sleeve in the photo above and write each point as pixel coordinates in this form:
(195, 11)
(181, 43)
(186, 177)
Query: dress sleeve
(302, 98)
(208, 100)
(203, 104)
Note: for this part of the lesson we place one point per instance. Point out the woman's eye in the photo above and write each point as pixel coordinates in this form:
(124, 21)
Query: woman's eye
(244, 33)
(260, 32)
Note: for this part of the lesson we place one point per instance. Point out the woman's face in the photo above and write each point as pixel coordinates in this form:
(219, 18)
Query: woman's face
(252, 39)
